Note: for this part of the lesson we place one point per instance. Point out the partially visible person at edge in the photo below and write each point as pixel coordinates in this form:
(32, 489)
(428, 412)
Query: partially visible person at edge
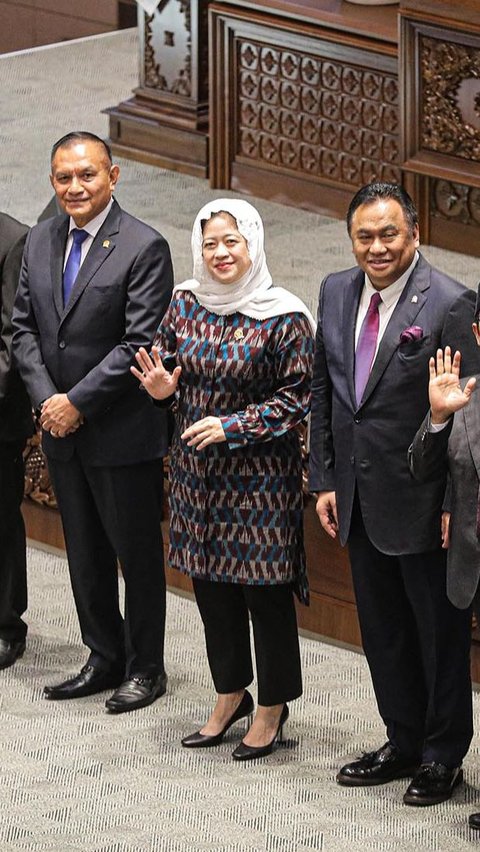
(240, 354)
(379, 323)
(94, 284)
(448, 442)
(16, 425)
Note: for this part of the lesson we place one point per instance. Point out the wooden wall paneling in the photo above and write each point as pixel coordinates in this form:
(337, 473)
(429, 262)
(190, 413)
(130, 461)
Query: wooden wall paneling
(300, 114)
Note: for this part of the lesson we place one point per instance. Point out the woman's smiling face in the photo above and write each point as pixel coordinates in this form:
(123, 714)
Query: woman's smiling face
(224, 250)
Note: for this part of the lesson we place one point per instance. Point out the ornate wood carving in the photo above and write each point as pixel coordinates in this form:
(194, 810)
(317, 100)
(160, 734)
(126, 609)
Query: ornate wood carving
(158, 57)
(451, 97)
(166, 122)
(306, 113)
(455, 202)
(441, 100)
(298, 108)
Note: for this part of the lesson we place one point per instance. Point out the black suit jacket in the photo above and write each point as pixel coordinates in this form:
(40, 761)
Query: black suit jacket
(16, 422)
(365, 447)
(87, 347)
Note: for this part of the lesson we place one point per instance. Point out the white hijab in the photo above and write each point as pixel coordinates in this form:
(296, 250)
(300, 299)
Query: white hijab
(253, 295)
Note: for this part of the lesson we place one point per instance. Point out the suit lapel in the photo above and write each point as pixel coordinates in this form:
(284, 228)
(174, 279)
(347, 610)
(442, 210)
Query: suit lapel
(409, 304)
(57, 254)
(101, 248)
(353, 293)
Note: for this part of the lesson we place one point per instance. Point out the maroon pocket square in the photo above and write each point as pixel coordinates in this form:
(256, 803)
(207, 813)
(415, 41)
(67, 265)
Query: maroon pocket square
(413, 332)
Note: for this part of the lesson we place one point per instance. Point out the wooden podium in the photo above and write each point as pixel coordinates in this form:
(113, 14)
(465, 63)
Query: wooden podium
(165, 123)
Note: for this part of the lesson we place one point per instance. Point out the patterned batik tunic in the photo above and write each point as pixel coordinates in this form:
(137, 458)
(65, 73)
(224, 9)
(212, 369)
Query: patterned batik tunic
(236, 508)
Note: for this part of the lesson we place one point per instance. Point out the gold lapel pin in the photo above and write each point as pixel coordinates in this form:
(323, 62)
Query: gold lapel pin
(106, 244)
(414, 299)
(238, 334)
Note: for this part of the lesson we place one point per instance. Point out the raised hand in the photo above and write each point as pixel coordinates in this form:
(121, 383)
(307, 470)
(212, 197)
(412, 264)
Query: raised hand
(153, 376)
(444, 390)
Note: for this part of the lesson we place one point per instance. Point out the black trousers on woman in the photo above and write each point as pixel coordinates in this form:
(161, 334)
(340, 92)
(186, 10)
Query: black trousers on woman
(224, 608)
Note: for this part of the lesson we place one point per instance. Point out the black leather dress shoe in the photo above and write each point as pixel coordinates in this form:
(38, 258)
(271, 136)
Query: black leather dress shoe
(432, 784)
(198, 740)
(89, 681)
(377, 767)
(137, 692)
(10, 652)
(474, 821)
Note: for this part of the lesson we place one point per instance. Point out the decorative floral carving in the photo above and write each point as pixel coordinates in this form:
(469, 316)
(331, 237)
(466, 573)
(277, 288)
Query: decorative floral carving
(154, 78)
(444, 127)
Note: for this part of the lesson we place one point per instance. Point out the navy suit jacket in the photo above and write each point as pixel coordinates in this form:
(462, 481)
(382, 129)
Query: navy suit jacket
(86, 348)
(365, 447)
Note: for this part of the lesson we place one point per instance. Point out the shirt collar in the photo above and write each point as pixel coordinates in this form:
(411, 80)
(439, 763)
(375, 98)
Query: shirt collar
(95, 224)
(392, 292)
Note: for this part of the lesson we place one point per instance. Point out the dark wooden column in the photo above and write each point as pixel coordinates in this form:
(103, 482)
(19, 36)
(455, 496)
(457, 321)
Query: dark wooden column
(165, 123)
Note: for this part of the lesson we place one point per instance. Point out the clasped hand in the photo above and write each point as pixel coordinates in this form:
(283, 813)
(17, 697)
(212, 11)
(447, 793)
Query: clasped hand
(59, 416)
(161, 384)
(444, 389)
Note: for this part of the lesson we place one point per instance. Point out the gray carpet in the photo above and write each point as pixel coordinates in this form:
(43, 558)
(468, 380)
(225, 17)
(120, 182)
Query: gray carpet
(74, 778)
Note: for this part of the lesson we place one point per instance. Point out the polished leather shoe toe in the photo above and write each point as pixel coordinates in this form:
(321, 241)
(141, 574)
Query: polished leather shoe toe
(89, 681)
(199, 740)
(10, 652)
(377, 767)
(474, 821)
(432, 784)
(137, 692)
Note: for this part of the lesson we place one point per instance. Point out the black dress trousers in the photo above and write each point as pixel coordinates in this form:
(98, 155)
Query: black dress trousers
(13, 568)
(224, 608)
(109, 513)
(417, 646)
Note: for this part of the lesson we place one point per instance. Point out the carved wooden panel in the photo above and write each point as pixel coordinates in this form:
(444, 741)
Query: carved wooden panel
(455, 202)
(307, 113)
(301, 113)
(168, 48)
(441, 97)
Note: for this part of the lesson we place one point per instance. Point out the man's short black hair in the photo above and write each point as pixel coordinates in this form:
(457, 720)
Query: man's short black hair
(80, 136)
(380, 190)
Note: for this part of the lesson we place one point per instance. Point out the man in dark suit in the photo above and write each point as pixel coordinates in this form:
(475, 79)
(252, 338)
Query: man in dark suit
(449, 440)
(93, 287)
(379, 323)
(16, 425)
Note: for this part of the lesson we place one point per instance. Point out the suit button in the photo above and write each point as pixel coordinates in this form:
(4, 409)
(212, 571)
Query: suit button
(357, 419)
(62, 344)
(352, 459)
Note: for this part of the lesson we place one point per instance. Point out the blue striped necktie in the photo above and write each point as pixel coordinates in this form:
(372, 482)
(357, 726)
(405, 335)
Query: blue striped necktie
(73, 263)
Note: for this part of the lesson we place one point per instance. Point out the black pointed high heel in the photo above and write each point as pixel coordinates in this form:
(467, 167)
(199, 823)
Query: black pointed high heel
(198, 740)
(246, 752)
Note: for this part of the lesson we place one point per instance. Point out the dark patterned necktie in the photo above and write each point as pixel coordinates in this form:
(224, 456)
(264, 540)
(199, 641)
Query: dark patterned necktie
(73, 263)
(366, 346)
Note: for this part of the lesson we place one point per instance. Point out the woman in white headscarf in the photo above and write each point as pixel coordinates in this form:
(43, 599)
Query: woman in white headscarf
(235, 353)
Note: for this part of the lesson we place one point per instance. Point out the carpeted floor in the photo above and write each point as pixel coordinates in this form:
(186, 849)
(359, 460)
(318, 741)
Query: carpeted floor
(74, 778)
